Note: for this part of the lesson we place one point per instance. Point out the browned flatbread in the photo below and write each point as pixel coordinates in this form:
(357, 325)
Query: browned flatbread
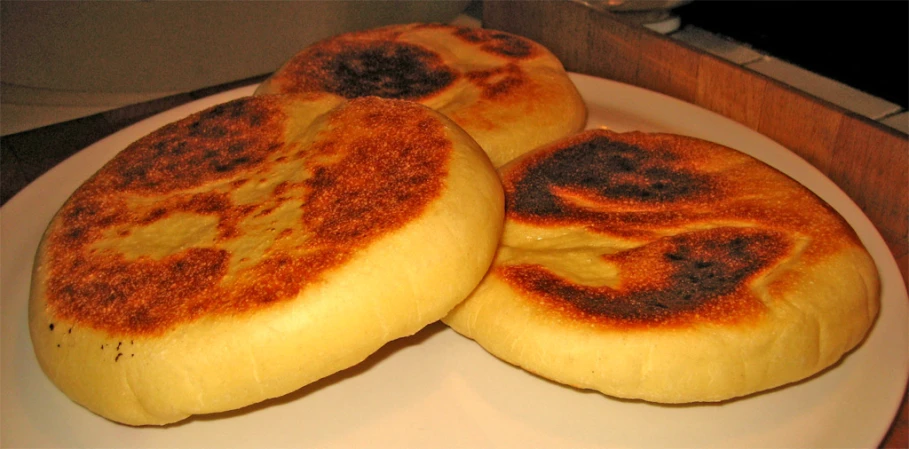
(508, 92)
(255, 247)
(669, 269)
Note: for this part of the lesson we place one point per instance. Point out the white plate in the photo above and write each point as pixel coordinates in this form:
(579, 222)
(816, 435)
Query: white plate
(437, 389)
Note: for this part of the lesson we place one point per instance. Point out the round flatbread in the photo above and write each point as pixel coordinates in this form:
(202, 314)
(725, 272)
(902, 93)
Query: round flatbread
(509, 93)
(669, 269)
(255, 247)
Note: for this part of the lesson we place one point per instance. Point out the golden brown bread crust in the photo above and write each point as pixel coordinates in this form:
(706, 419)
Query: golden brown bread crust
(640, 186)
(255, 247)
(366, 64)
(508, 92)
(381, 62)
(231, 143)
(664, 242)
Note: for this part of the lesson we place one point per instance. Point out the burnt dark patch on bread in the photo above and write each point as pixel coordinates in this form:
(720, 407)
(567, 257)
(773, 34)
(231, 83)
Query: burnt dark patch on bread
(640, 186)
(382, 68)
(498, 81)
(606, 169)
(392, 70)
(498, 42)
(703, 275)
(213, 144)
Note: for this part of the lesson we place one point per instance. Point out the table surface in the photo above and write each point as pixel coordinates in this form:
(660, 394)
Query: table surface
(27, 155)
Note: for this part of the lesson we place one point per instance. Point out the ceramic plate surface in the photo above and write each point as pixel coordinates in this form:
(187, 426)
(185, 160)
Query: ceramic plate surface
(438, 389)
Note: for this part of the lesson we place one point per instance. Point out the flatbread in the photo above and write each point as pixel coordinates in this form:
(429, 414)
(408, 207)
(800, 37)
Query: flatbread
(509, 93)
(669, 269)
(255, 247)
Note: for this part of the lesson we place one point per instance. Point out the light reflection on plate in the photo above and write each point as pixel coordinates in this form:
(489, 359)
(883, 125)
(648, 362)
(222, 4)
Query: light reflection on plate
(437, 389)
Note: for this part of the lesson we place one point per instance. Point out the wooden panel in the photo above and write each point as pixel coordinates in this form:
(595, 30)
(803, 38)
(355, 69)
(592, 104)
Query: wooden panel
(868, 161)
(873, 166)
(668, 68)
(800, 124)
(601, 57)
(729, 91)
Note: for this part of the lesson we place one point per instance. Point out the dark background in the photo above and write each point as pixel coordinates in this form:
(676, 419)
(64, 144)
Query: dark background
(863, 44)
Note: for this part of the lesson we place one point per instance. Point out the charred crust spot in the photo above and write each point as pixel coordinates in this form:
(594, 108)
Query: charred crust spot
(707, 275)
(83, 215)
(212, 144)
(499, 81)
(281, 189)
(265, 211)
(154, 215)
(498, 43)
(51, 327)
(712, 267)
(354, 69)
(117, 358)
(606, 169)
